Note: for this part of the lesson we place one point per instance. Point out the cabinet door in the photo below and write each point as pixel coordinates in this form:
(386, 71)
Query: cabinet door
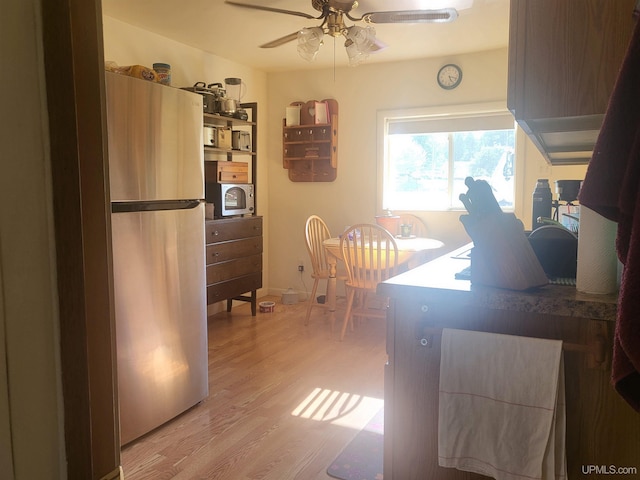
(564, 55)
(412, 425)
(410, 407)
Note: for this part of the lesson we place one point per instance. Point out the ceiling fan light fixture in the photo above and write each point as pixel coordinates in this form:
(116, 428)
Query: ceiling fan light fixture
(309, 42)
(361, 41)
(355, 57)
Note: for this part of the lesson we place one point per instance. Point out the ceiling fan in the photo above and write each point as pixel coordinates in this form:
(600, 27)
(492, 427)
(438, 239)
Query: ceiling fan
(360, 41)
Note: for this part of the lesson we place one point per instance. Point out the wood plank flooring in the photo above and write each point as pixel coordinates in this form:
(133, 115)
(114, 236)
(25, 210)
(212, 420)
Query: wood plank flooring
(284, 400)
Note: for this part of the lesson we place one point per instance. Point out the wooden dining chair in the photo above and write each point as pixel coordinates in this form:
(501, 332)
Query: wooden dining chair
(370, 256)
(316, 232)
(418, 227)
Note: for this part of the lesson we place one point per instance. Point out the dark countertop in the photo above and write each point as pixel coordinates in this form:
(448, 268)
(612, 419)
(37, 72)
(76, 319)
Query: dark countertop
(435, 281)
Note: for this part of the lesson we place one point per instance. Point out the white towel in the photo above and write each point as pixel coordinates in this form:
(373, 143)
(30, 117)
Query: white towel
(501, 405)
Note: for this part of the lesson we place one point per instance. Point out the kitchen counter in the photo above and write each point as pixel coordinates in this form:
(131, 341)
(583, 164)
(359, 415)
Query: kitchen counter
(601, 428)
(436, 281)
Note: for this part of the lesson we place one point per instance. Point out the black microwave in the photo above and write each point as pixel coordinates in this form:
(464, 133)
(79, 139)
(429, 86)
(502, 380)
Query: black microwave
(230, 199)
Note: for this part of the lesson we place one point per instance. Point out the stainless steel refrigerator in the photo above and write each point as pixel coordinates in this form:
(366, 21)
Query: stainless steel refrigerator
(157, 190)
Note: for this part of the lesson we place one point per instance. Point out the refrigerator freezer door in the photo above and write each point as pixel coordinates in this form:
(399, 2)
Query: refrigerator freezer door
(155, 140)
(160, 297)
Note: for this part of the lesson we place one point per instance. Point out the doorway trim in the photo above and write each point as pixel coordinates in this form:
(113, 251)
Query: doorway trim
(74, 71)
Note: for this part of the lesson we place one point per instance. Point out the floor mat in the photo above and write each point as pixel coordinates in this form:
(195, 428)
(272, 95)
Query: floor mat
(361, 459)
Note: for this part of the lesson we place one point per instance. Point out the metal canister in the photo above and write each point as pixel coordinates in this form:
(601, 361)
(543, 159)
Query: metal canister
(164, 72)
(541, 202)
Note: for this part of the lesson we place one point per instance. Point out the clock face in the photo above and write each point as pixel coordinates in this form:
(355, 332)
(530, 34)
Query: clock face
(449, 76)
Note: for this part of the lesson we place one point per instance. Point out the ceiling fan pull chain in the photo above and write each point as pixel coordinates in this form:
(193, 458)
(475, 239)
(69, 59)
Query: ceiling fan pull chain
(334, 59)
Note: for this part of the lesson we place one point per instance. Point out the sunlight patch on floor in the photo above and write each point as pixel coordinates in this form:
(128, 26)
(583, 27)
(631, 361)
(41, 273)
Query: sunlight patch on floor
(339, 408)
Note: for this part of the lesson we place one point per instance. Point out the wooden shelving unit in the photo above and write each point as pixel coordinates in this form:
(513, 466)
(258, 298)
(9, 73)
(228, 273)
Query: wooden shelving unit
(216, 154)
(234, 244)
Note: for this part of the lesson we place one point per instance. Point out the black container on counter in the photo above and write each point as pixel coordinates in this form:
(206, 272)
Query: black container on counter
(541, 202)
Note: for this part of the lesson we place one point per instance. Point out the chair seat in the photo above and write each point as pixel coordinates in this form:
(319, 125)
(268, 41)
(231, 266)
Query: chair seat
(370, 254)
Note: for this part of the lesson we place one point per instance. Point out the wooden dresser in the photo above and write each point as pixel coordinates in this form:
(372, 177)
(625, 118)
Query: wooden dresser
(601, 428)
(234, 259)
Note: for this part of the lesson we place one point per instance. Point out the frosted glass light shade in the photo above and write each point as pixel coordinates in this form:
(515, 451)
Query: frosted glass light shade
(309, 42)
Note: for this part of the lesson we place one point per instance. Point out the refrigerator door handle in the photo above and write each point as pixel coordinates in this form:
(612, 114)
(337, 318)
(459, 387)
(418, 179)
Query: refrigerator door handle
(146, 206)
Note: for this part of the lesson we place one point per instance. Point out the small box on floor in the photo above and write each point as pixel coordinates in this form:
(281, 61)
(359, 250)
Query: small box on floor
(267, 307)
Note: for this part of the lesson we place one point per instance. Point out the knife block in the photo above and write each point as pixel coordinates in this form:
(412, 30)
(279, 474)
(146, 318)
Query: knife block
(502, 255)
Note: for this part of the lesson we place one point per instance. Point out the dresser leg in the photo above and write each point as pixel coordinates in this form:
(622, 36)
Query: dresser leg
(254, 296)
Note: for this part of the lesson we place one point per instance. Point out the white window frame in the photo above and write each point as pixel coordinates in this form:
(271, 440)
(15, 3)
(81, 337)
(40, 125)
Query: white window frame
(445, 114)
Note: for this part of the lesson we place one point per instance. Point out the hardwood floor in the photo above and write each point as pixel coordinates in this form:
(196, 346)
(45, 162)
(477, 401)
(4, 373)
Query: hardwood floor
(284, 400)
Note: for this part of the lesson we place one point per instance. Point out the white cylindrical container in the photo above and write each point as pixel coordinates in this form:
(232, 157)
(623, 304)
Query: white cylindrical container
(164, 72)
(597, 259)
(290, 297)
(267, 307)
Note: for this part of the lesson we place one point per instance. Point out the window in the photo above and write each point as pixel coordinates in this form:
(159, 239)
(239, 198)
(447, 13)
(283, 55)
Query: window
(427, 154)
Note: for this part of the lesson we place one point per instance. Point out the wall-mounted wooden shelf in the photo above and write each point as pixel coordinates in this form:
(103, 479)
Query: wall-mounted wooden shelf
(310, 150)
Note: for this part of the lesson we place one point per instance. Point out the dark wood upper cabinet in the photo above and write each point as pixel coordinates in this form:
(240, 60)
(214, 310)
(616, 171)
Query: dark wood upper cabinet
(564, 58)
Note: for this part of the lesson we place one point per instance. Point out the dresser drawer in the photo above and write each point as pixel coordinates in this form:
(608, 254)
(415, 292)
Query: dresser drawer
(221, 272)
(233, 288)
(224, 251)
(232, 229)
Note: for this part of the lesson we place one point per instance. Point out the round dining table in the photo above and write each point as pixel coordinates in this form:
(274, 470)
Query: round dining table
(412, 251)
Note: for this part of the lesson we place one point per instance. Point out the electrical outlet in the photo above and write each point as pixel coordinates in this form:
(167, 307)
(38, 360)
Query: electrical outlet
(301, 267)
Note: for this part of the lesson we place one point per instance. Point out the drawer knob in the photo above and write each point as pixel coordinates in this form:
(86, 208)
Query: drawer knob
(425, 342)
(424, 308)
(216, 233)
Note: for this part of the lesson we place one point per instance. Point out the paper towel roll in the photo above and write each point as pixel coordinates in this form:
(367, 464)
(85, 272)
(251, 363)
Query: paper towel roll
(597, 259)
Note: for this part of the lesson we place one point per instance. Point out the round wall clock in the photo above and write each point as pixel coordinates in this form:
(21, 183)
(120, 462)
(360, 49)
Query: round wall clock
(449, 76)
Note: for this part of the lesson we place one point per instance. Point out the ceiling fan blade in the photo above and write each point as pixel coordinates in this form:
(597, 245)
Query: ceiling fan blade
(271, 9)
(411, 16)
(280, 41)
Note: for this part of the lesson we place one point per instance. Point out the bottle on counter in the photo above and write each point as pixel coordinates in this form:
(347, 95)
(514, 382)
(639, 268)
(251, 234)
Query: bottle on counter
(541, 202)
